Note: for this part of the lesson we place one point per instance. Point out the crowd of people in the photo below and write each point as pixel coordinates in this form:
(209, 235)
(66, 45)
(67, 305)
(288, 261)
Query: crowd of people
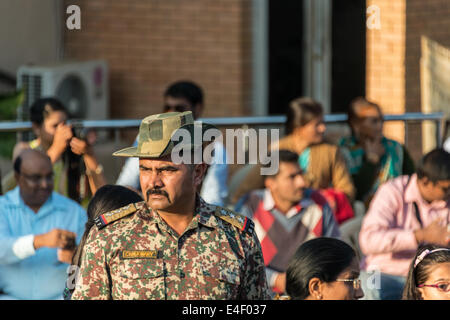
(353, 220)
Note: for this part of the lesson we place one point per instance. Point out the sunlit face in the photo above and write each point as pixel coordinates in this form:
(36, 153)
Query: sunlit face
(48, 128)
(344, 290)
(167, 186)
(313, 131)
(437, 283)
(369, 123)
(288, 184)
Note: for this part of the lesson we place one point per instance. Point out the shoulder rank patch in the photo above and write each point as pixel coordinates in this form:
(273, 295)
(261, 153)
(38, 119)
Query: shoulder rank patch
(114, 215)
(241, 222)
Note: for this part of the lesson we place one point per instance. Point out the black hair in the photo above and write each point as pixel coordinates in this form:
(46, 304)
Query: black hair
(301, 111)
(41, 108)
(186, 90)
(323, 258)
(435, 166)
(107, 198)
(283, 156)
(17, 164)
(419, 274)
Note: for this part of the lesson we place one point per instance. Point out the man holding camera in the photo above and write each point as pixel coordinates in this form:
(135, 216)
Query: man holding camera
(38, 228)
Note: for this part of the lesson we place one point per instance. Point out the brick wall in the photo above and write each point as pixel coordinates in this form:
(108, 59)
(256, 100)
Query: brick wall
(432, 19)
(393, 58)
(149, 44)
(385, 62)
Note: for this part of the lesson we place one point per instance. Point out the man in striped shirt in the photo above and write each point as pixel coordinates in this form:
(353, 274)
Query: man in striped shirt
(286, 214)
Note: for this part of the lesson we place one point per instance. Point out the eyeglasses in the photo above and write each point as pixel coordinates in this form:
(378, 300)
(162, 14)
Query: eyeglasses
(356, 282)
(442, 286)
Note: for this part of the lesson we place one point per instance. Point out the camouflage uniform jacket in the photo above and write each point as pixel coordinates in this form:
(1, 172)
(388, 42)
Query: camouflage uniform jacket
(141, 257)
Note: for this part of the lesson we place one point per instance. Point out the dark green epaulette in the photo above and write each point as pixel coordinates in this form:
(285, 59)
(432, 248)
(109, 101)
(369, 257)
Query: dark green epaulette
(114, 215)
(238, 220)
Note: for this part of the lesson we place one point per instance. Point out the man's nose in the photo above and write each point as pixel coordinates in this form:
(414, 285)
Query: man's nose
(300, 181)
(155, 180)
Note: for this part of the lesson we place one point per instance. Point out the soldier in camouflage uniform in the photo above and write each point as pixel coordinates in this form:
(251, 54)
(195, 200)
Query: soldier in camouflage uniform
(173, 245)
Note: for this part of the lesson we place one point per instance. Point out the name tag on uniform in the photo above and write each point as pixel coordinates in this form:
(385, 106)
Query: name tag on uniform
(141, 254)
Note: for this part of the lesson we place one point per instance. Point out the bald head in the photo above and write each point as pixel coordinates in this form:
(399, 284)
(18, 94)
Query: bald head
(34, 176)
(30, 157)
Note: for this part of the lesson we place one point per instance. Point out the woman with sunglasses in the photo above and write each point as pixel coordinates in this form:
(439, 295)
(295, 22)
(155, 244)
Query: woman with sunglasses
(323, 269)
(429, 275)
(371, 158)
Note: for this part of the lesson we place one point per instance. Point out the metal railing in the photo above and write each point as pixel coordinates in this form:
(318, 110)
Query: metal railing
(437, 117)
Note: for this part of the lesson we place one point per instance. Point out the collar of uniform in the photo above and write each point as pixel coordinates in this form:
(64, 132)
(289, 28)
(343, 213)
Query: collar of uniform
(202, 214)
(50, 205)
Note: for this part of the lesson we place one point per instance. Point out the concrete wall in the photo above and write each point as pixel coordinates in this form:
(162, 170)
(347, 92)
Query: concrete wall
(29, 33)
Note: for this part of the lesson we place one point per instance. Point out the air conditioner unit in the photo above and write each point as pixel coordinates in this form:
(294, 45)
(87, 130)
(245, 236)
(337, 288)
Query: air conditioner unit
(81, 86)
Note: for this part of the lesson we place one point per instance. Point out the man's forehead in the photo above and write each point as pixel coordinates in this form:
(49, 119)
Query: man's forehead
(173, 101)
(290, 167)
(36, 165)
(160, 162)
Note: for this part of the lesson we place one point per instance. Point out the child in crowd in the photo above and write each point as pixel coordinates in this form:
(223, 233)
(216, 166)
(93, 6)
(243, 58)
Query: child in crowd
(429, 274)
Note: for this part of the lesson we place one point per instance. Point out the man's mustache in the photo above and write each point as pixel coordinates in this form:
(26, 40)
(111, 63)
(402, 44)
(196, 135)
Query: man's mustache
(158, 192)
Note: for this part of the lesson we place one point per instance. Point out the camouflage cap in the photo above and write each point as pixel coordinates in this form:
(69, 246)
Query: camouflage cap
(156, 132)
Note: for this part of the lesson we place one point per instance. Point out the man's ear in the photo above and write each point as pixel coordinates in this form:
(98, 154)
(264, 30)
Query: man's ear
(36, 129)
(424, 181)
(199, 173)
(269, 182)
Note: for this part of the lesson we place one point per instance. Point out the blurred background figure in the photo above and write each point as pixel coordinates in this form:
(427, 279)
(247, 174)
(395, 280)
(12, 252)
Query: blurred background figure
(286, 214)
(371, 158)
(405, 212)
(324, 269)
(56, 138)
(39, 229)
(184, 96)
(322, 164)
(429, 274)
(107, 198)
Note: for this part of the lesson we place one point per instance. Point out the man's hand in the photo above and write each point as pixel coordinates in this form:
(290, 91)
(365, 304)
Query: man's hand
(55, 238)
(374, 150)
(65, 256)
(63, 134)
(436, 233)
(80, 147)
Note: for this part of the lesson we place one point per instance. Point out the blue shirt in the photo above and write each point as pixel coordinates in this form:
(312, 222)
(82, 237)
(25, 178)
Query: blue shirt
(214, 188)
(40, 275)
